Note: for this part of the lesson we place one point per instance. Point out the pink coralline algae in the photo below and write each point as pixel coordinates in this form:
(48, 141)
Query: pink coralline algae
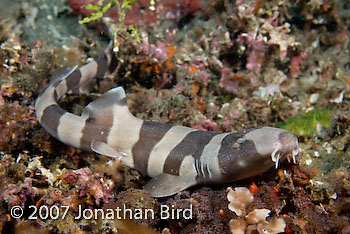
(18, 194)
(256, 50)
(206, 125)
(162, 50)
(295, 62)
(90, 183)
(228, 81)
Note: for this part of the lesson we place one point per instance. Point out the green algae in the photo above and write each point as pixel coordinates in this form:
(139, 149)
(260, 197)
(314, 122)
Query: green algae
(305, 124)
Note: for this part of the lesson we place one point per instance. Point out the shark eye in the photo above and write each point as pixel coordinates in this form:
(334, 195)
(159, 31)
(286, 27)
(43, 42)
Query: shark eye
(238, 143)
(240, 140)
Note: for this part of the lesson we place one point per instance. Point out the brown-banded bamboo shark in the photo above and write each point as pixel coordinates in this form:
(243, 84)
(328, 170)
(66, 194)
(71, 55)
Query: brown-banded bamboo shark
(176, 157)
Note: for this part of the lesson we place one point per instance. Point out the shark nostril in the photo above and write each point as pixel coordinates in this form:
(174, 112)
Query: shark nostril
(278, 159)
(295, 153)
(277, 147)
(276, 156)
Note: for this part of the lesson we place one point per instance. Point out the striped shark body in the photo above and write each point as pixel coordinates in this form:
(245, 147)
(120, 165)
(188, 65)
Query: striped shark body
(176, 157)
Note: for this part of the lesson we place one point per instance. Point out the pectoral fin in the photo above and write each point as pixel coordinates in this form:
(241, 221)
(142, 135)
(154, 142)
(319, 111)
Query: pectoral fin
(105, 149)
(165, 185)
(102, 148)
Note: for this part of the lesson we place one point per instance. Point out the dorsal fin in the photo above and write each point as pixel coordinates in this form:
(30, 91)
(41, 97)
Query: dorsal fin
(114, 98)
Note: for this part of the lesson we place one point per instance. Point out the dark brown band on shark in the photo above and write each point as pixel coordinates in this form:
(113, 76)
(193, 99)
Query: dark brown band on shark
(97, 127)
(234, 144)
(73, 80)
(94, 131)
(51, 119)
(192, 144)
(102, 66)
(113, 63)
(150, 134)
(55, 95)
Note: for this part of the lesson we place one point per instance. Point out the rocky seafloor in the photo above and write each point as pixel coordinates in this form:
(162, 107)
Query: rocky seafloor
(211, 65)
